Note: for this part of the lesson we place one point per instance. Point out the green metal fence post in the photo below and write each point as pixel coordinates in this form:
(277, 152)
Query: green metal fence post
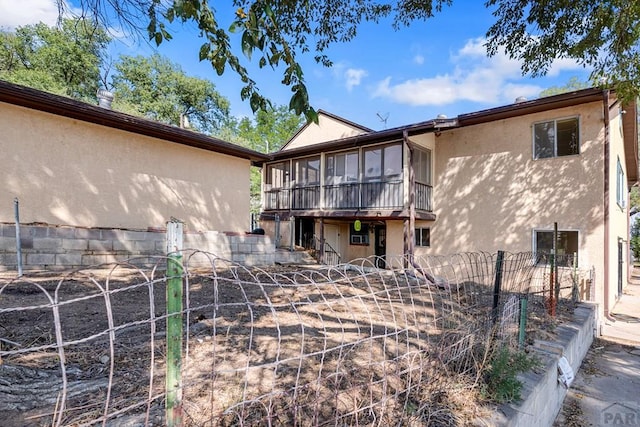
(497, 284)
(173, 382)
(523, 322)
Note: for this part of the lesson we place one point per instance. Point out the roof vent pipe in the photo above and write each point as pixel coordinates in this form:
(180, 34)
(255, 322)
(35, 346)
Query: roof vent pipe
(105, 98)
(441, 116)
(520, 99)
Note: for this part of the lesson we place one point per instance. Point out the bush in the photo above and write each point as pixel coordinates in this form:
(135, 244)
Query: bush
(502, 384)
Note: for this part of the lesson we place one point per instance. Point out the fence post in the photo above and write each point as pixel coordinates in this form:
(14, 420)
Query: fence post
(497, 284)
(16, 206)
(174, 324)
(523, 322)
(556, 283)
(552, 280)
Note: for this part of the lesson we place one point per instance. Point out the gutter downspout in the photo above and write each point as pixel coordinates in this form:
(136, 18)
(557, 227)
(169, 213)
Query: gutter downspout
(410, 224)
(607, 148)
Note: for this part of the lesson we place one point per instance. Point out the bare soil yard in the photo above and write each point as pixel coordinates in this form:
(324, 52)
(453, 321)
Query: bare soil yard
(279, 346)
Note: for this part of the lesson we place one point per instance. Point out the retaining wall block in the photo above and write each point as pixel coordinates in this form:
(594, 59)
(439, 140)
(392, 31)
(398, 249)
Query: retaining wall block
(47, 243)
(74, 244)
(145, 246)
(40, 259)
(69, 259)
(8, 230)
(87, 233)
(101, 245)
(7, 244)
(62, 232)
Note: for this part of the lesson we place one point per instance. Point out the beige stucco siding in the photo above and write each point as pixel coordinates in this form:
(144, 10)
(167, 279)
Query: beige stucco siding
(490, 194)
(327, 129)
(618, 214)
(69, 172)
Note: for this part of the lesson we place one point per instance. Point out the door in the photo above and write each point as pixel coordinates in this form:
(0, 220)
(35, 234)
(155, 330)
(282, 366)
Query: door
(380, 242)
(304, 232)
(620, 267)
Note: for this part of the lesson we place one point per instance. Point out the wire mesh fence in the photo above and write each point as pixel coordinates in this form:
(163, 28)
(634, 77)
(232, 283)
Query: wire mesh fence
(344, 346)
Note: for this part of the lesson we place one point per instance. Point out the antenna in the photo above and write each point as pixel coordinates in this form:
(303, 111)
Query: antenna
(383, 119)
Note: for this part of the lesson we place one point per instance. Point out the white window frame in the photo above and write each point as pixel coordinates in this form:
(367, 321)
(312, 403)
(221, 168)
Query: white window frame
(621, 194)
(555, 133)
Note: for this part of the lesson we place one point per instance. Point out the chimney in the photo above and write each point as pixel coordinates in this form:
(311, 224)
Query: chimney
(105, 98)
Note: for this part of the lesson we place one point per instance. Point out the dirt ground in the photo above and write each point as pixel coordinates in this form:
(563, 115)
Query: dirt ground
(272, 345)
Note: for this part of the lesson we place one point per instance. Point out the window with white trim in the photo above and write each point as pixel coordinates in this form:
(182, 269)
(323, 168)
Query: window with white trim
(422, 165)
(383, 163)
(621, 191)
(307, 171)
(277, 175)
(341, 168)
(556, 138)
(423, 237)
(566, 246)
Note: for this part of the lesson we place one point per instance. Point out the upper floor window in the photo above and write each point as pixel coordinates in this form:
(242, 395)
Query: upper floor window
(556, 138)
(383, 163)
(307, 171)
(621, 193)
(341, 167)
(422, 166)
(277, 175)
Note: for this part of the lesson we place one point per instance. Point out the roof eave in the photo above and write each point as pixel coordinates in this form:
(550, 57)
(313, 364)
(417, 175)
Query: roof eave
(42, 101)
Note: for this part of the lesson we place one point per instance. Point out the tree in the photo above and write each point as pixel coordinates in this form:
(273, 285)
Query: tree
(156, 88)
(65, 60)
(599, 34)
(270, 129)
(267, 132)
(275, 32)
(634, 199)
(635, 239)
(574, 83)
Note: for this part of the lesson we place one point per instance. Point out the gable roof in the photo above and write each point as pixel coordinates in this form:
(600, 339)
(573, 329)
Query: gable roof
(42, 101)
(334, 117)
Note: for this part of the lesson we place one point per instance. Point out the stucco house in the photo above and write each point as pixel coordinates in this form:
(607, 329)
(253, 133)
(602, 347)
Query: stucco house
(496, 179)
(95, 185)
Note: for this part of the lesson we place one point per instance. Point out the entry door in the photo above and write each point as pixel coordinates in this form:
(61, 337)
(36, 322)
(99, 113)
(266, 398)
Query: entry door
(332, 236)
(620, 268)
(380, 241)
(304, 232)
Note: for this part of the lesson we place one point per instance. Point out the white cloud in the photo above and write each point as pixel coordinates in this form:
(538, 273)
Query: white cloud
(354, 76)
(25, 12)
(348, 76)
(418, 59)
(475, 77)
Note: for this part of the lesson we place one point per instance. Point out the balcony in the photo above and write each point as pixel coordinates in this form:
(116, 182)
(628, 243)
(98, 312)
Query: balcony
(359, 195)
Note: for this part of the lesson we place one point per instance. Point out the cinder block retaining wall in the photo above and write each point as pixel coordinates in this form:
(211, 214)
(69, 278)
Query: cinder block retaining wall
(542, 394)
(46, 247)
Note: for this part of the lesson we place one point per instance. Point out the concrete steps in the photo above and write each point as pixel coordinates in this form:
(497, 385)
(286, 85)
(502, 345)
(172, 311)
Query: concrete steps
(286, 257)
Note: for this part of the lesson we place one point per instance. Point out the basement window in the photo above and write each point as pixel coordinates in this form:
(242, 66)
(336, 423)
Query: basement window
(423, 237)
(567, 247)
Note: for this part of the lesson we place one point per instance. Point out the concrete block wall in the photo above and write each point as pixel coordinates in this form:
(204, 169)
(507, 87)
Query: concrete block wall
(47, 247)
(542, 394)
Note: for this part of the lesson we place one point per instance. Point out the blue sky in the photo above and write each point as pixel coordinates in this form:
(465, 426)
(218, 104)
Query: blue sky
(382, 79)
